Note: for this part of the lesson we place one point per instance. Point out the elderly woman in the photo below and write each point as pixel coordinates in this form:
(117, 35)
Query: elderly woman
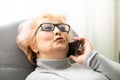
(45, 39)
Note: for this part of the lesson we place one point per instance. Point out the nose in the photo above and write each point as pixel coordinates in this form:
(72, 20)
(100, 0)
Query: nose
(57, 31)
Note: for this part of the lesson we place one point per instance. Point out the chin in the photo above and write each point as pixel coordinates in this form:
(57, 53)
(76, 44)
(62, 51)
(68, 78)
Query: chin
(62, 47)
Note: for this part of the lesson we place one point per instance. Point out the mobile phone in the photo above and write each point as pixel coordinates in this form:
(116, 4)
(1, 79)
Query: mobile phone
(73, 48)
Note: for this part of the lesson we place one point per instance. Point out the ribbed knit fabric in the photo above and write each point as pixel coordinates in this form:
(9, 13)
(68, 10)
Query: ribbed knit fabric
(53, 64)
(95, 68)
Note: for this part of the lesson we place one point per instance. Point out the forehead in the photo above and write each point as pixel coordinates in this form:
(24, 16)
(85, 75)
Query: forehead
(55, 21)
(51, 19)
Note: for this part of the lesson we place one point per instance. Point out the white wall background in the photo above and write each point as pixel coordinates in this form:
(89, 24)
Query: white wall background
(96, 19)
(117, 30)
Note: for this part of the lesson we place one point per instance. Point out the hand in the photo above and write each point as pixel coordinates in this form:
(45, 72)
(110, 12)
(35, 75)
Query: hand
(86, 49)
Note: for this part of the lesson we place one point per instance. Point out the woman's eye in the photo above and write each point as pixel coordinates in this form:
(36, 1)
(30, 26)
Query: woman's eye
(48, 28)
(62, 29)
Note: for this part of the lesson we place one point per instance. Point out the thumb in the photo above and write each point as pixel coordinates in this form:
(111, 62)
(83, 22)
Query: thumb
(76, 59)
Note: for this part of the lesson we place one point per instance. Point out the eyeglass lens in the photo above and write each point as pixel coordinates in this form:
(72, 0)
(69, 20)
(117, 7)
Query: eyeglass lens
(47, 27)
(50, 27)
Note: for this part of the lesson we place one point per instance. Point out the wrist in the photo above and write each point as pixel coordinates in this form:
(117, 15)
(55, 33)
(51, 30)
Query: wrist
(90, 56)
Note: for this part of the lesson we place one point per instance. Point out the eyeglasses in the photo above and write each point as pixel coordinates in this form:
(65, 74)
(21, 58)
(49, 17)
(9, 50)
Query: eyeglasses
(50, 27)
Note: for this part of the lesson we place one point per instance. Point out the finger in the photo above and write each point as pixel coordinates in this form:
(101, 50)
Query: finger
(80, 60)
(80, 52)
(82, 40)
(75, 38)
(74, 58)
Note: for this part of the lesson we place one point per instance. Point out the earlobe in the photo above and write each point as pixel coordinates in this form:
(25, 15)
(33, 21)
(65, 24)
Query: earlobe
(35, 50)
(34, 47)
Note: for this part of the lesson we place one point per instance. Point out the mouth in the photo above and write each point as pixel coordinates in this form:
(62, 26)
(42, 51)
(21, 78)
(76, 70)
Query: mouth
(59, 39)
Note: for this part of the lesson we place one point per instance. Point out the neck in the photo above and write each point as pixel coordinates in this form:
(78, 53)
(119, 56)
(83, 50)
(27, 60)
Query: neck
(53, 64)
(53, 55)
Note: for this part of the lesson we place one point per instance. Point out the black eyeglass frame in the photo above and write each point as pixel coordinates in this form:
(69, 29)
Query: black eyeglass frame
(55, 25)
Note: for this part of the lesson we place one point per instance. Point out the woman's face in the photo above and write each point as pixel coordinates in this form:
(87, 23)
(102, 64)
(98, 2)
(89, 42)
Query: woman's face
(52, 44)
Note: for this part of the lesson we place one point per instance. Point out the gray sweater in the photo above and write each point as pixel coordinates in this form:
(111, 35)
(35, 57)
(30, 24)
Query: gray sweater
(96, 67)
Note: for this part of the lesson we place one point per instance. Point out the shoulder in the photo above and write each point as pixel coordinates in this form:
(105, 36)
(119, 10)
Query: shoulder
(35, 75)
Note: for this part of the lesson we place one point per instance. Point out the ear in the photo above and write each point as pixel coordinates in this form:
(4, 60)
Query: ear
(33, 46)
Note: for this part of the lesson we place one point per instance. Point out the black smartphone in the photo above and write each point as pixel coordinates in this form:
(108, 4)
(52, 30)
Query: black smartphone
(73, 48)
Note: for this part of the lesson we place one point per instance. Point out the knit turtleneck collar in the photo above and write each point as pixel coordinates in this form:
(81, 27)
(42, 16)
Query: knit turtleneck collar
(53, 64)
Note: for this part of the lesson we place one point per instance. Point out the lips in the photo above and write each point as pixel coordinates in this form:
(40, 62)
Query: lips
(59, 38)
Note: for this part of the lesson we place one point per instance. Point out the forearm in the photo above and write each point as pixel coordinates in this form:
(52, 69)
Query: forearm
(103, 65)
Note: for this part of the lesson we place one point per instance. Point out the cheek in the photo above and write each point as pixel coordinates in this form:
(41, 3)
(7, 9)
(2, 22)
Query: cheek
(67, 38)
(43, 40)
(44, 36)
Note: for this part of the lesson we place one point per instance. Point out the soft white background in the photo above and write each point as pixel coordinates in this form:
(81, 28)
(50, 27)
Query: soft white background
(99, 20)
